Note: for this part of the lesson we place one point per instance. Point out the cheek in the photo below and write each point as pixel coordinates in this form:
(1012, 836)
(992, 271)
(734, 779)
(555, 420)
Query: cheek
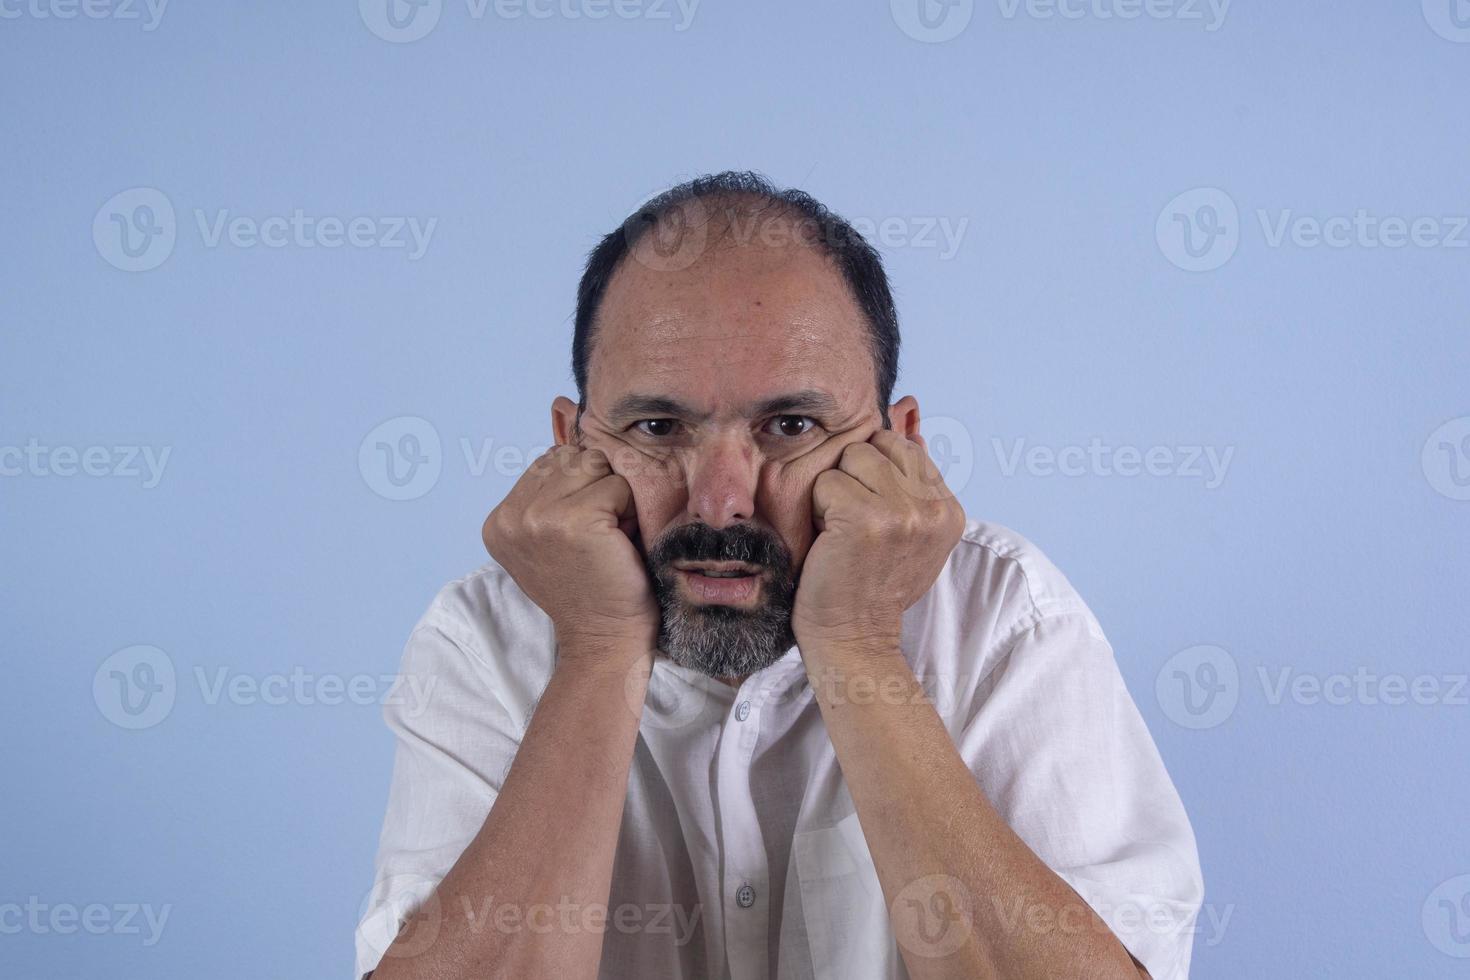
(786, 505)
(658, 496)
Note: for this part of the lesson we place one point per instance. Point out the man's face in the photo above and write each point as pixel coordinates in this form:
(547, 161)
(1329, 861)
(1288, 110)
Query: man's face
(720, 391)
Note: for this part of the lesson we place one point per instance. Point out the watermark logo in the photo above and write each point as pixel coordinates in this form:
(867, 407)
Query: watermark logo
(1362, 229)
(951, 448)
(1207, 464)
(135, 229)
(1446, 459)
(400, 21)
(36, 459)
(1198, 687)
(1199, 230)
(933, 916)
(135, 687)
(1127, 920)
(90, 9)
(401, 458)
(674, 241)
(404, 897)
(406, 21)
(1446, 917)
(932, 21)
(1450, 19)
(667, 701)
(41, 918)
(1210, 13)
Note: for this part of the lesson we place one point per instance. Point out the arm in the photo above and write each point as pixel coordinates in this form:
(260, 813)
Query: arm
(546, 848)
(528, 896)
(960, 885)
(962, 888)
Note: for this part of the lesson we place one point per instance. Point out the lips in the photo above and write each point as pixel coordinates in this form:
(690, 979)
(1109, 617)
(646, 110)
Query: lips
(717, 569)
(726, 583)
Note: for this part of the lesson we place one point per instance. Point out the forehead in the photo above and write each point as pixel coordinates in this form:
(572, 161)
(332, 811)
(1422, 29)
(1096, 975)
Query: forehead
(747, 320)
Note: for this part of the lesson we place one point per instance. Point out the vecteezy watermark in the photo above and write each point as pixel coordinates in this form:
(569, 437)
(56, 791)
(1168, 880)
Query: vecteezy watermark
(939, 233)
(1209, 13)
(1200, 230)
(1208, 464)
(405, 21)
(567, 917)
(400, 899)
(951, 448)
(136, 230)
(149, 13)
(1450, 19)
(1446, 458)
(682, 233)
(936, 21)
(137, 687)
(1201, 686)
(1363, 229)
(36, 459)
(932, 21)
(94, 918)
(1198, 687)
(1127, 919)
(402, 458)
(933, 916)
(1446, 917)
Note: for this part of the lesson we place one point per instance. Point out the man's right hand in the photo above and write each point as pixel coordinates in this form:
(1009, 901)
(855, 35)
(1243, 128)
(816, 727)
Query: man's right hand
(560, 534)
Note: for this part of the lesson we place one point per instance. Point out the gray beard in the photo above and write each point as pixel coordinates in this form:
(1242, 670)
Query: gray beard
(722, 641)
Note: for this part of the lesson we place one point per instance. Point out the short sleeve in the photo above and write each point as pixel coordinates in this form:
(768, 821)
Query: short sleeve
(1062, 753)
(455, 742)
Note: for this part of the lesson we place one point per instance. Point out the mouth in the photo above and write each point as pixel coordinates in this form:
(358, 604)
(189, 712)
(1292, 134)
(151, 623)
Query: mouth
(723, 583)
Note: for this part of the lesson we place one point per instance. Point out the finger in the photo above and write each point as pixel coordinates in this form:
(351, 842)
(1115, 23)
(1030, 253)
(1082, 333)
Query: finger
(609, 499)
(907, 454)
(834, 492)
(922, 477)
(865, 463)
(567, 470)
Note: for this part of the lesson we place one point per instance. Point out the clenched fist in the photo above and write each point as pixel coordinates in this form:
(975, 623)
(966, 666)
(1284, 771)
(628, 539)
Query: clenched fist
(564, 534)
(886, 524)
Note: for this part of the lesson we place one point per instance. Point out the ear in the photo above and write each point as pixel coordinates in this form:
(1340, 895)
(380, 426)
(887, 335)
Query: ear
(564, 421)
(904, 416)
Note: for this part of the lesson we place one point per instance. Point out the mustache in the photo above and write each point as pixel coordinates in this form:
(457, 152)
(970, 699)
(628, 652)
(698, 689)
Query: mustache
(738, 542)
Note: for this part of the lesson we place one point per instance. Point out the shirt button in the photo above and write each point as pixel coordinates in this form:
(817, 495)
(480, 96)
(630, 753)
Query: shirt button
(742, 711)
(745, 897)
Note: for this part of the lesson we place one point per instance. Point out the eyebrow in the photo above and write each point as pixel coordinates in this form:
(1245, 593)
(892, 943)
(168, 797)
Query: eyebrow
(632, 408)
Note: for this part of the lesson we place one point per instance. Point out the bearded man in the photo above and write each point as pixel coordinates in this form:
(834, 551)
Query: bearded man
(742, 692)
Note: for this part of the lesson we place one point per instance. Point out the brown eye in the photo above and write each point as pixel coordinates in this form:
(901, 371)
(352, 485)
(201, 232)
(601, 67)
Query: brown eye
(790, 426)
(656, 427)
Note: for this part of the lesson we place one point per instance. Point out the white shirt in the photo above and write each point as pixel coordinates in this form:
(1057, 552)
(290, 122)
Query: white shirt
(740, 853)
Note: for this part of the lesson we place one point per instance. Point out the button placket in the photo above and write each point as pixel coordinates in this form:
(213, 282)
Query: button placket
(747, 912)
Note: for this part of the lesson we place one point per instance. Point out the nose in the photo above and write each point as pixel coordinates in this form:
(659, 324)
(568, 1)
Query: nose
(722, 476)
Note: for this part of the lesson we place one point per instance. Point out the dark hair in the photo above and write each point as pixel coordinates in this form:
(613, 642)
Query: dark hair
(859, 262)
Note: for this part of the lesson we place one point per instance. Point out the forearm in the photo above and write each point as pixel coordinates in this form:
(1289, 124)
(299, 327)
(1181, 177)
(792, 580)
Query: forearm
(527, 898)
(937, 843)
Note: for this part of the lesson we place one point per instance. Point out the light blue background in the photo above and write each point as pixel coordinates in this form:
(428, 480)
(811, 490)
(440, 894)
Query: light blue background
(1327, 549)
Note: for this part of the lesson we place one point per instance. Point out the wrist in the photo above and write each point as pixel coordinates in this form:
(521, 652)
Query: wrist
(873, 636)
(604, 633)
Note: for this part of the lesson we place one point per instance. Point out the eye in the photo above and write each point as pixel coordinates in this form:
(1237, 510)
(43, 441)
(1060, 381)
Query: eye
(658, 428)
(790, 426)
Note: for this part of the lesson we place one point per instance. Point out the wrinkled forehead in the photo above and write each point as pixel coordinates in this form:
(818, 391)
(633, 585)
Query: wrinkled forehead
(746, 322)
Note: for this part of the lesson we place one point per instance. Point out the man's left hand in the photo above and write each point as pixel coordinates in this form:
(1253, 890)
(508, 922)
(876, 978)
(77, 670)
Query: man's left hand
(886, 524)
